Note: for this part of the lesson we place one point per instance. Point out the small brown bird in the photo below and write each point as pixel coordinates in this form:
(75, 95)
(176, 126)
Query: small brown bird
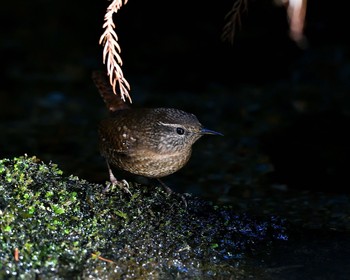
(152, 142)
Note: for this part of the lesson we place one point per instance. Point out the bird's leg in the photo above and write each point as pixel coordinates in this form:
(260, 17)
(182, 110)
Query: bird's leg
(123, 184)
(169, 191)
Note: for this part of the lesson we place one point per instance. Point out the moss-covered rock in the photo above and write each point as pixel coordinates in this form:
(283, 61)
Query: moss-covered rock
(54, 226)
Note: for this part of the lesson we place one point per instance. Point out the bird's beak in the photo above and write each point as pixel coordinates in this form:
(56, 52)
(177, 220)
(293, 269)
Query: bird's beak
(208, 131)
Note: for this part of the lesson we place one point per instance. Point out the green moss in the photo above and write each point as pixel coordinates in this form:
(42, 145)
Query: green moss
(66, 227)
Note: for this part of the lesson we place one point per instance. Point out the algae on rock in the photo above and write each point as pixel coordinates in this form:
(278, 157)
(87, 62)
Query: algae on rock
(56, 226)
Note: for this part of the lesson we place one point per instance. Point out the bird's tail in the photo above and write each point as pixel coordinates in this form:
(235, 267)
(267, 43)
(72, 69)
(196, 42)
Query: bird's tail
(113, 102)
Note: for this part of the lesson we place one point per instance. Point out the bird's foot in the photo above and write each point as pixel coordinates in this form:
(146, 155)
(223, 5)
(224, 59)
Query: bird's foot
(170, 192)
(123, 184)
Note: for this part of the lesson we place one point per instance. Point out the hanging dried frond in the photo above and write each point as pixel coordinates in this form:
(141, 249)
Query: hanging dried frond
(233, 18)
(111, 51)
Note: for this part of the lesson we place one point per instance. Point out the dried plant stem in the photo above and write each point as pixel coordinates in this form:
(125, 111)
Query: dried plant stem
(296, 10)
(111, 51)
(233, 18)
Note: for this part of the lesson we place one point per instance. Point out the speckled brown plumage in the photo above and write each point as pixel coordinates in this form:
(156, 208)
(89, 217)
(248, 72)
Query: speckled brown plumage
(152, 142)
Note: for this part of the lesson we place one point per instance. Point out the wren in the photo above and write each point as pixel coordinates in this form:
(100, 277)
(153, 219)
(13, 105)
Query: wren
(151, 142)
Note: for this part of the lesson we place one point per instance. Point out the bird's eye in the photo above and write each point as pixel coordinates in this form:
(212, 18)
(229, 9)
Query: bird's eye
(180, 130)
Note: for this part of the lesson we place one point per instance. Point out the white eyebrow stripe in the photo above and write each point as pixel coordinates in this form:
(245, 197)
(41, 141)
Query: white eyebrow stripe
(170, 124)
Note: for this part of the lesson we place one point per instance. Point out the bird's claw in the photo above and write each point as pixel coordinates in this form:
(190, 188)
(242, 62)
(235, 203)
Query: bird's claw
(123, 184)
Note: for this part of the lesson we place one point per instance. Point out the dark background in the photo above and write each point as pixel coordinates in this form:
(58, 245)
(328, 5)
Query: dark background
(284, 110)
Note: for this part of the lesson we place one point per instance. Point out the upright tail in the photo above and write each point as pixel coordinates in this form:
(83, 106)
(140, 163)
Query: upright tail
(113, 102)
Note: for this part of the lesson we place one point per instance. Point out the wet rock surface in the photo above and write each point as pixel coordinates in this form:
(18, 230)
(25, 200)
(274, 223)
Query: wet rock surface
(66, 227)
